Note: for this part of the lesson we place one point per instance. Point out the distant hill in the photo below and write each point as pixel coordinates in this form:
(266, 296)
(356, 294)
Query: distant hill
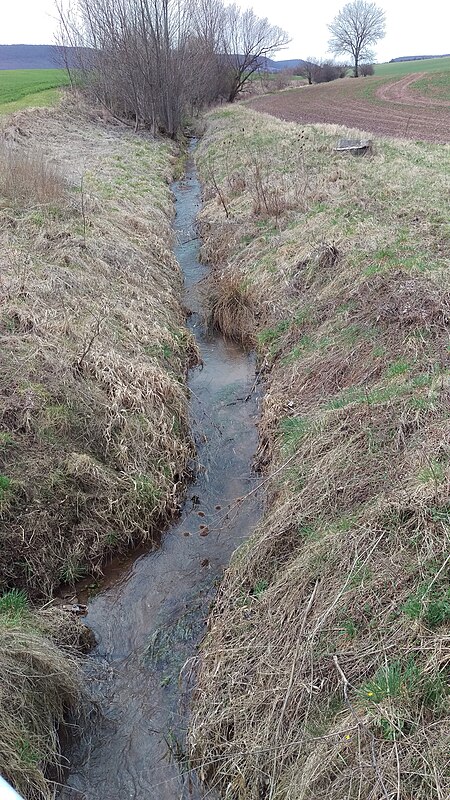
(46, 56)
(31, 56)
(291, 63)
(416, 58)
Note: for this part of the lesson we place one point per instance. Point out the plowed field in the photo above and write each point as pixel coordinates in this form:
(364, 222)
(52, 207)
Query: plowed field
(368, 104)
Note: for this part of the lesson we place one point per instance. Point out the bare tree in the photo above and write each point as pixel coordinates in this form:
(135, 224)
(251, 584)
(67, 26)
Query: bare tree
(246, 42)
(151, 62)
(306, 70)
(357, 26)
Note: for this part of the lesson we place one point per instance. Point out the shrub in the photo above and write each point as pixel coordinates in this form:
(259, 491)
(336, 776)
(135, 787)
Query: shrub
(328, 71)
(366, 69)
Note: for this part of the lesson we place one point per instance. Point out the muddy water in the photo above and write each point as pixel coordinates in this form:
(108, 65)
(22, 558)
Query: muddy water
(149, 621)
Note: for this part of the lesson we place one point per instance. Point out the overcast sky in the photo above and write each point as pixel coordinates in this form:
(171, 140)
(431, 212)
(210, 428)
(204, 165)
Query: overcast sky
(412, 27)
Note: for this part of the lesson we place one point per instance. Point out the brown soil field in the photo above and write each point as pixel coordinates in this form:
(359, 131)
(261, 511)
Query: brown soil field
(393, 110)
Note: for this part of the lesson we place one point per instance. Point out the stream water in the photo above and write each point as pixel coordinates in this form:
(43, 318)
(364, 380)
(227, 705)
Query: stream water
(149, 621)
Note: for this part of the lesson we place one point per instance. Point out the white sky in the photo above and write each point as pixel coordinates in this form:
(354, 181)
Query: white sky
(412, 27)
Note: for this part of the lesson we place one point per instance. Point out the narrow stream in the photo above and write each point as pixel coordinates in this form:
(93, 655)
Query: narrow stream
(149, 621)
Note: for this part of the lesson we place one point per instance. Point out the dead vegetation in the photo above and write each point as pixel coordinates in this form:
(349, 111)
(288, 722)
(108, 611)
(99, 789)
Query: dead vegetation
(324, 673)
(28, 179)
(230, 308)
(39, 685)
(93, 411)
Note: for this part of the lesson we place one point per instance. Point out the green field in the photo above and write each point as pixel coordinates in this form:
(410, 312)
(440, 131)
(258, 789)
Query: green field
(435, 85)
(401, 68)
(20, 88)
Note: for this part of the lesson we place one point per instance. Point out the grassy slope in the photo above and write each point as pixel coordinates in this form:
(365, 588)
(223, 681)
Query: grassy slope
(435, 85)
(22, 88)
(401, 68)
(94, 434)
(323, 674)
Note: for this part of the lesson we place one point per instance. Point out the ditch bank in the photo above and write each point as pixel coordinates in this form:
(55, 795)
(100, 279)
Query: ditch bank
(95, 445)
(150, 620)
(324, 671)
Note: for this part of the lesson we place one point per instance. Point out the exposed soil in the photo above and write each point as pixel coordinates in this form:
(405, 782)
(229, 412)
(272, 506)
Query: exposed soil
(394, 111)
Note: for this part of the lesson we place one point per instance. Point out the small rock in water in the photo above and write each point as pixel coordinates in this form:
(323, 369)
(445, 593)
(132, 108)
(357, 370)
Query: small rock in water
(186, 533)
(205, 562)
(218, 508)
(201, 513)
(204, 530)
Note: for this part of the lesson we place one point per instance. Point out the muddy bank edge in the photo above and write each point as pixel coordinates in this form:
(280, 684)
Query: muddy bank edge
(325, 669)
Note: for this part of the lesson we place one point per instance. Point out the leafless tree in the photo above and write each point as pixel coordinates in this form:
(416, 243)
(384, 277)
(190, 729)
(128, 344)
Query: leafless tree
(357, 26)
(246, 42)
(306, 70)
(152, 61)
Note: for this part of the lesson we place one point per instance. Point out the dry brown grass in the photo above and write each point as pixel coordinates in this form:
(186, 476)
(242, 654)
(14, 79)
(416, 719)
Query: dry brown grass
(324, 673)
(39, 685)
(230, 307)
(94, 435)
(28, 179)
(93, 411)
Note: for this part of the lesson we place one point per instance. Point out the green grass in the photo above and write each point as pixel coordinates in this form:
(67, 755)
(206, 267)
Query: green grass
(13, 604)
(401, 68)
(435, 85)
(21, 88)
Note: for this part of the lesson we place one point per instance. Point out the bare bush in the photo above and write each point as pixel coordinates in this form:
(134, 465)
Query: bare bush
(282, 79)
(151, 63)
(317, 71)
(366, 69)
(327, 71)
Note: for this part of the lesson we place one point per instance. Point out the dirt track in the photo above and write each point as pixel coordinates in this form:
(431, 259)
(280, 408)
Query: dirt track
(392, 111)
(399, 92)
